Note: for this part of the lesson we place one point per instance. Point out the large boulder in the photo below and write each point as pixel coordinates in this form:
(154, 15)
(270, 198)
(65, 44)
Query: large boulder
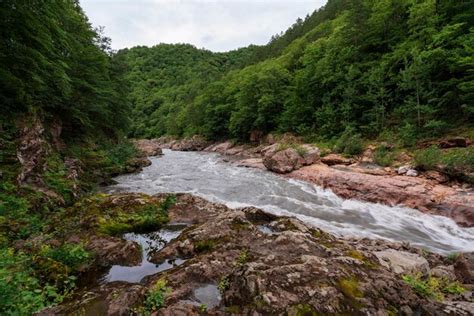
(149, 147)
(402, 262)
(283, 161)
(311, 154)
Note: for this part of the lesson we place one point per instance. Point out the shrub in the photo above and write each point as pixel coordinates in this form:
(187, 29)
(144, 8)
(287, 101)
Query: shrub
(383, 156)
(428, 158)
(456, 162)
(349, 143)
(71, 255)
(21, 293)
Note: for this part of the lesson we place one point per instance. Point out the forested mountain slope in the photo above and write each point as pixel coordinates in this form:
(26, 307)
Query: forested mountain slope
(63, 117)
(365, 66)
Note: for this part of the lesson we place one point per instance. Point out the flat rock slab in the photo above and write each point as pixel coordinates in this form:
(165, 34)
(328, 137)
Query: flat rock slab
(402, 262)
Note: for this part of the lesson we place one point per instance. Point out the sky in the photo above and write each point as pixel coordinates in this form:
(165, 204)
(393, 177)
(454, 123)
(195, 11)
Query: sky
(217, 25)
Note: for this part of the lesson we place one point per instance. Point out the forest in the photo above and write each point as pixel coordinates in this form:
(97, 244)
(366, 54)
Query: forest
(376, 68)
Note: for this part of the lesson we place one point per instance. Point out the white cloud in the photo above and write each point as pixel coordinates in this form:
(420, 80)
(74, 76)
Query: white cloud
(216, 25)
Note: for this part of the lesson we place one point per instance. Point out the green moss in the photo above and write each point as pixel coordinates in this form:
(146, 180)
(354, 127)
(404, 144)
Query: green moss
(205, 245)
(305, 310)
(145, 218)
(353, 253)
(240, 226)
(350, 288)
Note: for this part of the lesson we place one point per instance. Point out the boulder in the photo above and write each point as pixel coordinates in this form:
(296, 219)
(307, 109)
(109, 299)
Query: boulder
(402, 262)
(446, 272)
(464, 267)
(311, 154)
(412, 173)
(283, 161)
(403, 169)
(136, 164)
(335, 159)
(149, 147)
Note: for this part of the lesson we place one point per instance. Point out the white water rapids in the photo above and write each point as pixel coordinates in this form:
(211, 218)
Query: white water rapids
(208, 176)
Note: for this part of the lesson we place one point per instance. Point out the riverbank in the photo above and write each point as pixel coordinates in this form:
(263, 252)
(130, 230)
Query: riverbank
(357, 178)
(247, 261)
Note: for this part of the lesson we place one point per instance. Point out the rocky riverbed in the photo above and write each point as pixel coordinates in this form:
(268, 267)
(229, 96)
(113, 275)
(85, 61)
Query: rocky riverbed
(247, 261)
(358, 178)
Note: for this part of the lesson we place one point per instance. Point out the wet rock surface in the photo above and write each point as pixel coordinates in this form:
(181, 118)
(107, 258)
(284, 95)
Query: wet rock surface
(249, 262)
(422, 194)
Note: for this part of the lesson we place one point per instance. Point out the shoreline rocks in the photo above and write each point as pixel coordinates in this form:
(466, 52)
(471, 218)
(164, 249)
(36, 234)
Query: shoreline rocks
(427, 192)
(250, 262)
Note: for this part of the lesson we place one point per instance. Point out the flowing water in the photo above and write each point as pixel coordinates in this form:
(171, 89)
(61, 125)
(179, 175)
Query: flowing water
(207, 175)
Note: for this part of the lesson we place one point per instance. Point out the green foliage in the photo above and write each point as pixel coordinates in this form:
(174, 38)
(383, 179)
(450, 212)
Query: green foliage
(144, 219)
(432, 287)
(224, 284)
(384, 156)
(456, 162)
(350, 143)
(155, 298)
(428, 158)
(21, 292)
(55, 64)
(71, 255)
(404, 66)
(243, 257)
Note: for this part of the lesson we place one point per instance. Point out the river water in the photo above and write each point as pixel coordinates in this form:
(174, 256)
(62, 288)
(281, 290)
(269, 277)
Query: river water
(209, 176)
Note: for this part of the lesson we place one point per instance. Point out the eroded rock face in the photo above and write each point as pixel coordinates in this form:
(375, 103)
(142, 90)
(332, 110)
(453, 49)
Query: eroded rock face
(264, 264)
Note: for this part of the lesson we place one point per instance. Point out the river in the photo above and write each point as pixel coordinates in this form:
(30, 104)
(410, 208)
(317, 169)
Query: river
(209, 176)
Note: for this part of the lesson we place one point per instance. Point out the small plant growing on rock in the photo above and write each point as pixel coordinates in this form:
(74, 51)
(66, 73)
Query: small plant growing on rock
(155, 298)
(243, 258)
(223, 284)
(452, 257)
(432, 287)
(204, 245)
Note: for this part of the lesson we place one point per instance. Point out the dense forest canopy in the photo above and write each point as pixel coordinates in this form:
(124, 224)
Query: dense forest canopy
(404, 67)
(55, 64)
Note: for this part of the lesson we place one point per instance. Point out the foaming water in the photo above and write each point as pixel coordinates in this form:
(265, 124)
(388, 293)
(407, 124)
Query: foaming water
(207, 175)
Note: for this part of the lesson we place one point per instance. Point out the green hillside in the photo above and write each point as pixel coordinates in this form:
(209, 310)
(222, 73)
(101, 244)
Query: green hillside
(403, 68)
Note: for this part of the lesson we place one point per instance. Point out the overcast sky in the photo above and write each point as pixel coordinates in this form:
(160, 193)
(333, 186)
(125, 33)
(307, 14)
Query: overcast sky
(218, 25)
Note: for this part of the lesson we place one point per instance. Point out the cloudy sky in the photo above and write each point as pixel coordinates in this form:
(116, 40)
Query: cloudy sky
(218, 25)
